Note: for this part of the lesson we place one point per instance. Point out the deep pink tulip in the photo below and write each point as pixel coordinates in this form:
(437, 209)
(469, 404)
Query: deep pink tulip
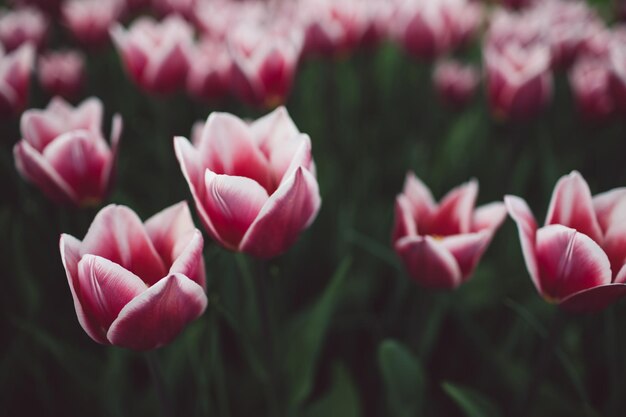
(455, 83)
(15, 70)
(577, 258)
(155, 53)
(589, 80)
(180, 7)
(136, 285)
(64, 153)
(62, 73)
(617, 77)
(441, 244)
(422, 28)
(209, 77)
(90, 20)
(253, 184)
(21, 26)
(519, 80)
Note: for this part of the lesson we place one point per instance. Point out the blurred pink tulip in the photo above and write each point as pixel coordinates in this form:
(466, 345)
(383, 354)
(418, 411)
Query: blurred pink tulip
(617, 77)
(64, 153)
(577, 259)
(455, 83)
(155, 53)
(253, 184)
(589, 79)
(422, 28)
(180, 7)
(90, 20)
(136, 285)
(441, 244)
(15, 70)
(21, 26)
(62, 73)
(210, 75)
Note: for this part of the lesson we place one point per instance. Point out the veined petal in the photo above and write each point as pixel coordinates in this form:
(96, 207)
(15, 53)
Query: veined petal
(527, 229)
(593, 299)
(467, 249)
(454, 214)
(190, 262)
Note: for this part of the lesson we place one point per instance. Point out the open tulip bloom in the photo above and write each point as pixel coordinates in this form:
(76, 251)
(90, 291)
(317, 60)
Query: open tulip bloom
(441, 244)
(254, 184)
(578, 258)
(136, 285)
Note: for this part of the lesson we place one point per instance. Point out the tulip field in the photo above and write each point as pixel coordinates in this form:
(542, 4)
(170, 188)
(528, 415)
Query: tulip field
(316, 208)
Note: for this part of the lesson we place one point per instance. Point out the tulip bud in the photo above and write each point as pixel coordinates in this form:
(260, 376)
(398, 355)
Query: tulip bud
(62, 73)
(136, 285)
(15, 69)
(21, 26)
(455, 83)
(589, 79)
(422, 28)
(90, 20)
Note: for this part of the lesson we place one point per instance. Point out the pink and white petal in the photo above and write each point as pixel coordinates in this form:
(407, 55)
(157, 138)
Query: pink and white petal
(404, 224)
(89, 115)
(118, 235)
(291, 209)
(170, 231)
(569, 262)
(105, 288)
(428, 262)
(572, 206)
(607, 204)
(190, 262)
(109, 176)
(489, 217)
(593, 299)
(70, 256)
(454, 214)
(274, 131)
(296, 154)
(159, 314)
(615, 243)
(39, 129)
(527, 229)
(467, 249)
(34, 167)
(233, 203)
(420, 197)
(167, 72)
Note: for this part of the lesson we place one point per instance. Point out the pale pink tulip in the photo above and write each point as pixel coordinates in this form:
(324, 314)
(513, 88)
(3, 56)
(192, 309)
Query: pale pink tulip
(210, 75)
(21, 26)
(136, 285)
(90, 20)
(253, 184)
(455, 83)
(62, 73)
(15, 70)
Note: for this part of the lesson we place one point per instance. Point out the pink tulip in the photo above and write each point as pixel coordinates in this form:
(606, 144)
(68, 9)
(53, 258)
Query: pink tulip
(455, 83)
(589, 79)
(422, 28)
(210, 76)
(253, 184)
(63, 151)
(378, 20)
(617, 77)
(15, 69)
(22, 26)
(441, 244)
(62, 73)
(577, 258)
(136, 285)
(155, 53)
(90, 20)
(180, 7)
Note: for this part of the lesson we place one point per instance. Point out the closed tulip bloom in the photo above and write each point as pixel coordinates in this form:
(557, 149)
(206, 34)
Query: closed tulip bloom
(62, 73)
(422, 28)
(136, 285)
(64, 153)
(577, 258)
(90, 20)
(589, 79)
(210, 76)
(441, 244)
(155, 53)
(455, 83)
(254, 184)
(21, 26)
(15, 69)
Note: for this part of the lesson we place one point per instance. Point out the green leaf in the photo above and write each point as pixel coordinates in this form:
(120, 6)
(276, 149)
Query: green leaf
(304, 336)
(403, 378)
(342, 399)
(471, 402)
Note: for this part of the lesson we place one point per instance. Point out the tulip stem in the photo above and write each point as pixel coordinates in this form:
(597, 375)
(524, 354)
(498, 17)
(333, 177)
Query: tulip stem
(158, 382)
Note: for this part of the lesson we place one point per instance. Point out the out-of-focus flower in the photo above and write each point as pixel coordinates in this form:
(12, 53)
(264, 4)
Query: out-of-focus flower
(136, 285)
(463, 19)
(210, 75)
(254, 184)
(455, 83)
(519, 80)
(15, 69)
(21, 26)
(617, 77)
(64, 153)
(441, 244)
(378, 18)
(155, 53)
(90, 20)
(62, 73)
(523, 29)
(589, 79)
(577, 258)
(50, 7)
(265, 62)
(180, 7)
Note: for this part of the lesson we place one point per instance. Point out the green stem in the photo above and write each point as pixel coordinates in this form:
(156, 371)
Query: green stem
(158, 381)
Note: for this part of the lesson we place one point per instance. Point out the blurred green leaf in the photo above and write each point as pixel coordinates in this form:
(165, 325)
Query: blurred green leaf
(471, 402)
(342, 399)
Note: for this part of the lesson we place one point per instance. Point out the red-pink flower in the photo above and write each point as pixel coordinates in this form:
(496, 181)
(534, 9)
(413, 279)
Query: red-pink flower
(15, 69)
(21, 26)
(136, 285)
(210, 75)
(441, 244)
(589, 79)
(577, 259)
(455, 83)
(64, 153)
(253, 184)
(90, 20)
(62, 73)
(155, 53)
(422, 28)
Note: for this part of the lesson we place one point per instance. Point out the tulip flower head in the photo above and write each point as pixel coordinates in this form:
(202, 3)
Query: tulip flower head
(21, 26)
(15, 69)
(136, 285)
(62, 73)
(589, 79)
(441, 244)
(64, 153)
(254, 184)
(210, 76)
(455, 83)
(578, 258)
(90, 20)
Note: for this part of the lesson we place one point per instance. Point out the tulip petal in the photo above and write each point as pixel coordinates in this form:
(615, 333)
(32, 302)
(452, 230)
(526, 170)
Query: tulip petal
(287, 212)
(429, 262)
(38, 129)
(301, 157)
(593, 299)
(118, 235)
(274, 131)
(467, 249)
(572, 206)
(605, 204)
(104, 288)
(488, 217)
(158, 315)
(404, 224)
(569, 262)
(108, 178)
(420, 197)
(88, 115)
(615, 242)
(454, 214)
(190, 262)
(527, 229)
